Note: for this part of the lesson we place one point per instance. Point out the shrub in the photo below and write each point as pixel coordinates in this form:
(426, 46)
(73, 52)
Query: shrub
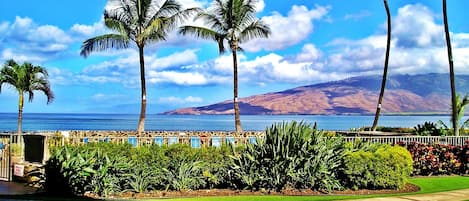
(383, 168)
(439, 159)
(291, 155)
(429, 129)
(106, 168)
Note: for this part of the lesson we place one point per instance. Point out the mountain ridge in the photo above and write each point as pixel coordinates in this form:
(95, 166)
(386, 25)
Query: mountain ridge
(355, 95)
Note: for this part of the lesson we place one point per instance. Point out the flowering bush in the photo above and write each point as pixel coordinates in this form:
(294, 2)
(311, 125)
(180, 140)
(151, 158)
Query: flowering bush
(438, 159)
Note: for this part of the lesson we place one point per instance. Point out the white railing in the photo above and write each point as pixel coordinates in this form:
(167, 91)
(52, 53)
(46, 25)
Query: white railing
(453, 140)
(198, 141)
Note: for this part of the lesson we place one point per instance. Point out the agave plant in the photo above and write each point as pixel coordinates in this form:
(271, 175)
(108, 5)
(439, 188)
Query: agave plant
(291, 155)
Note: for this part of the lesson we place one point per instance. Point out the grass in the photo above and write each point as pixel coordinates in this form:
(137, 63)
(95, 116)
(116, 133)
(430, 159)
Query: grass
(426, 184)
(440, 184)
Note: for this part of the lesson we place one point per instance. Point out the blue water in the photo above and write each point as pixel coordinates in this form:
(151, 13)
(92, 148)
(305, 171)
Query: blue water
(53, 122)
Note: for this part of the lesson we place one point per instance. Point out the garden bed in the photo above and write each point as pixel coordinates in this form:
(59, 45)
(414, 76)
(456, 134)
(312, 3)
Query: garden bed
(408, 188)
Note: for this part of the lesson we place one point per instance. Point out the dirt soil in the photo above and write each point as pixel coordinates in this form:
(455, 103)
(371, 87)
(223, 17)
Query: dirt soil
(227, 192)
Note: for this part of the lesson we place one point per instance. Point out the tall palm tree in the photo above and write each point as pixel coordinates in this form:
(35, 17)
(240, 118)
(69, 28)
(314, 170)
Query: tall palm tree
(141, 22)
(234, 22)
(454, 113)
(385, 71)
(25, 78)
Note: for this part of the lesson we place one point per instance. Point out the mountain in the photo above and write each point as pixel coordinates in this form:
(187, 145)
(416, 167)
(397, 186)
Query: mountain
(357, 95)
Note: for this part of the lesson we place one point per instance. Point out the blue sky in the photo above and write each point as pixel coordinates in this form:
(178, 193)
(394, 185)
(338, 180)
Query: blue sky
(311, 42)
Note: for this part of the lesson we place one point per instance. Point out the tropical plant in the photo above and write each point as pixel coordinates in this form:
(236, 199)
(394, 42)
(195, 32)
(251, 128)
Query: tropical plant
(141, 22)
(454, 113)
(385, 70)
(233, 21)
(460, 108)
(25, 78)
(293, 155)
(430, 129)
(461, 104)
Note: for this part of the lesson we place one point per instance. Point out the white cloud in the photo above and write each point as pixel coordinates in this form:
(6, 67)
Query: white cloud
(309, 53)
(24, 40)
(9, 53)
(412, 51)
(357, 16)
(177, 59)
(177, 100)
(287, 30)
(96, 29)
(415, 26)
(260, 5)
(183, 78)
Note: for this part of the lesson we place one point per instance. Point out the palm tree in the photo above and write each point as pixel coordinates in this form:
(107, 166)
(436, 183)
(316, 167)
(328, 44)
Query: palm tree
(141, 22)
(233, 21)
(385, 71)
(461, 103)
(25, 78)
(454, 113)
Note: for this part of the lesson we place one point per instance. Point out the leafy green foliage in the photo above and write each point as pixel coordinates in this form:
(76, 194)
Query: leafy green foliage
(107, 168)
(429, 129)
(291, 155)
(386, 167)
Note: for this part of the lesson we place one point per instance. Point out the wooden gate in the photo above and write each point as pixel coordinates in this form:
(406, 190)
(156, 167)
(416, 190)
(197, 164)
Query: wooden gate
(5, 168)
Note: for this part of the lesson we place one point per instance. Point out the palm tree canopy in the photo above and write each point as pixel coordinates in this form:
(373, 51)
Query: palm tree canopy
(233, 21)
(140, 21)
(26, 78)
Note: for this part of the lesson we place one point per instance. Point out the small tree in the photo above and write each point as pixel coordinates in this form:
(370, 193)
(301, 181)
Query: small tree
(25, 78)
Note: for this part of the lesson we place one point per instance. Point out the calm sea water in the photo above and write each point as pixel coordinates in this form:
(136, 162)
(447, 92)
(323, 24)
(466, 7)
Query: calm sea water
(41, 122)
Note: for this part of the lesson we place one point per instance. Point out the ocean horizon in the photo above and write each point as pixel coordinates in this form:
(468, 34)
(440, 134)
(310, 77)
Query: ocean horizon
(33, 122)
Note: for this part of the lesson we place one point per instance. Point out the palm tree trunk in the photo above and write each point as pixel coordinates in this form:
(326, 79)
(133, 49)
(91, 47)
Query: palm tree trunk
(385, 71)
(20, 117)
(454, 116)
(238, 127)
(143, 107)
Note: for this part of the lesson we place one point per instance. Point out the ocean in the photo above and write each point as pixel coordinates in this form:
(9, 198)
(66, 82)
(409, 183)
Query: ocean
(57, 122)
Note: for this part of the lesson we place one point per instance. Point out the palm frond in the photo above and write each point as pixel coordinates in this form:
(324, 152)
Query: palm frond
(118, 22)
(256, 29)
(199, 32)
(104, 42)
(211, 20)
(168, 8)
(179, 17)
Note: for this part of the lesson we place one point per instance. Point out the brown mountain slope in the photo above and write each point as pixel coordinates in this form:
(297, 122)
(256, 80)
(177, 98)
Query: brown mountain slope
(351, 96)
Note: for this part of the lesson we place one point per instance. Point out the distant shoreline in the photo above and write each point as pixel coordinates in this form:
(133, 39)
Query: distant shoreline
(161, 114)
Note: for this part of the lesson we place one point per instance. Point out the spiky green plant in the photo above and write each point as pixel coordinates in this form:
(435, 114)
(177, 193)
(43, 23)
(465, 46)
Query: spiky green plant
(291, 155)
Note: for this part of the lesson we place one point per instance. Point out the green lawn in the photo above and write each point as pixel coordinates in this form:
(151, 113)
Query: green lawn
(440, 184)
(427, 185)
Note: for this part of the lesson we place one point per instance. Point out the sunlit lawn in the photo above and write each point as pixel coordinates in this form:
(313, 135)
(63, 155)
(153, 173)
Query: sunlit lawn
(427, 185)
